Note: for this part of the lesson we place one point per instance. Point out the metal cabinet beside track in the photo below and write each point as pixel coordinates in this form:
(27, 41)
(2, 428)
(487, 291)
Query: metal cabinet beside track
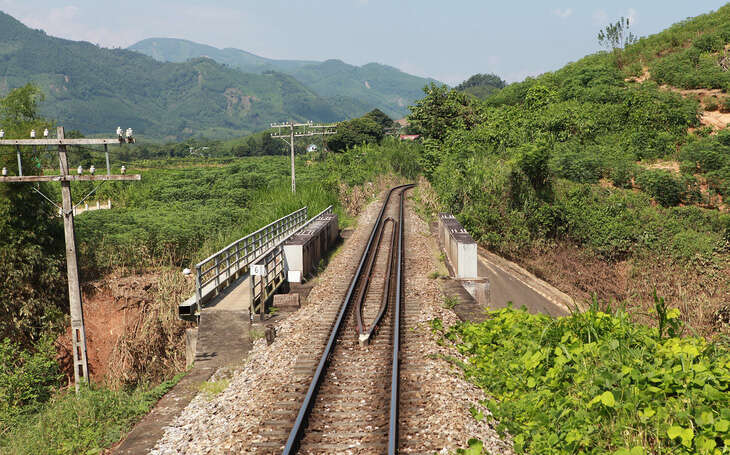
(303, 251)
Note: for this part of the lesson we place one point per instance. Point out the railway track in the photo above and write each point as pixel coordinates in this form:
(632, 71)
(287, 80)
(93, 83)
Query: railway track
(344, 393)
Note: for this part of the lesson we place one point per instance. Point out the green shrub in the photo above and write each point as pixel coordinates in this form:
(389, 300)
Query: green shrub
(598, 383)
(689, 244)
(662, 185)
(85, 423)
(622, 174)
(709, 42)
(725, 105)
(580, 167)
(27, 379)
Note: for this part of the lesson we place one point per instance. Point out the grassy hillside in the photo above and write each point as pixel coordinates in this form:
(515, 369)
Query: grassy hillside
(598, 181)
(95, 89)
(357, 89)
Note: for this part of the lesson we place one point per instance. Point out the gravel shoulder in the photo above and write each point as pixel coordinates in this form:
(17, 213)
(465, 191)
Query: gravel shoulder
(229, 421)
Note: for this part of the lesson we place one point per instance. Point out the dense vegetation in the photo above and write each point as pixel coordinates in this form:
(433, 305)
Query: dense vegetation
(597, 383)
(482, 85)
(354, 88)
(604, 165)
(568, 157)
(32, 287)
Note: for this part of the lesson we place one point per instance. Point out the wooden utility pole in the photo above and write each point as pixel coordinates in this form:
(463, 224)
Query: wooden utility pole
(304, 130)
(78, 333)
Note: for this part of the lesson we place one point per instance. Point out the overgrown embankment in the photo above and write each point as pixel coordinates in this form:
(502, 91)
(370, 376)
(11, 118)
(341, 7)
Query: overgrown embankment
(556, 172)
(132, 256)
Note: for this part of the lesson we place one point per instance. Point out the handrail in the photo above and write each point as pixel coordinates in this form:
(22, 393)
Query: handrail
(240, 254)
(263, 286)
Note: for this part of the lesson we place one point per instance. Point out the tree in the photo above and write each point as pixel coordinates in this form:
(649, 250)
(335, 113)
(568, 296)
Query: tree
(443, 109)
(355, 132)
(617, 36)
(380, 118)
(32, 289)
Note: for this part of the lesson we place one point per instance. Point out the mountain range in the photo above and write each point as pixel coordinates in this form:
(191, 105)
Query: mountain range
(373, 85)
(95, 89)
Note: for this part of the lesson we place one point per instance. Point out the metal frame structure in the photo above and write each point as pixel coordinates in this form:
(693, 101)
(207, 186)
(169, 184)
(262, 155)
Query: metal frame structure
(274, 272)
(78, 330)
(299, 130)
(235, 259)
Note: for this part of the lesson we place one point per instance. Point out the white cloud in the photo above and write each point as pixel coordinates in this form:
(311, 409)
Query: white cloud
(563, 13)
(600, 17)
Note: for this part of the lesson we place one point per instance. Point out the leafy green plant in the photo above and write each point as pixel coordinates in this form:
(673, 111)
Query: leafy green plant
(85, 423)
(28, 379)
(667, 318)
(450, 302)
(664, 187)
(613, 386)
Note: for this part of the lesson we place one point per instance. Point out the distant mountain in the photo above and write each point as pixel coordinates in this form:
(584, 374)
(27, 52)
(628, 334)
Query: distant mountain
(370, 86)
(96, 89)
(180, 50)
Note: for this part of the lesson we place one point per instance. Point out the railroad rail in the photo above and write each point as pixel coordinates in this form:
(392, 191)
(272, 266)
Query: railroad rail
(359, 376)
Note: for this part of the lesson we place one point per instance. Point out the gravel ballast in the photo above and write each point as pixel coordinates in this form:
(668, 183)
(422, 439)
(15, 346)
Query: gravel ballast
(435, 417)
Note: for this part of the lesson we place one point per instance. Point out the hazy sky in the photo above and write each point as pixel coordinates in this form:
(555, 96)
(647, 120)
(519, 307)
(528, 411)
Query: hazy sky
(446, 40)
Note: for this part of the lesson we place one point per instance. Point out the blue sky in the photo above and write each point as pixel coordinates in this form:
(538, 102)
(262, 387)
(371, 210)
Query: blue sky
(446, 40)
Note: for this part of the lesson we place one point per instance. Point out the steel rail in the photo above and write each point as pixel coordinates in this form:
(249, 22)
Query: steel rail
(395, 369)
(360, 300)
(366, 335)
(297, 431)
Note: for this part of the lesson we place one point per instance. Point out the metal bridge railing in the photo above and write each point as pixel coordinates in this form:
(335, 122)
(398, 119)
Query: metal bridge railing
(269, 272)
(236, 258)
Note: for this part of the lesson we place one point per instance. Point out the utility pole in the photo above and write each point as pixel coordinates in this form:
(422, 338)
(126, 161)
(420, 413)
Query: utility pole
(299, 130)
(78, 332)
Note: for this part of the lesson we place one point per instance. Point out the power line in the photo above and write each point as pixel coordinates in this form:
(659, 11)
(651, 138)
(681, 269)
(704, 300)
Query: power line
(300, 130)
(78, 331)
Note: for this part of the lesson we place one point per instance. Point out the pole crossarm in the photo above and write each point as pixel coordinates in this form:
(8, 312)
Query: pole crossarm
(47, 141)
(68, 178)
(294, 133)
(78, 331)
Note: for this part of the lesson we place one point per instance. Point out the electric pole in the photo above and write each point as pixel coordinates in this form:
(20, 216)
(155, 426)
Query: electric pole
(299, 130)
(78, 332)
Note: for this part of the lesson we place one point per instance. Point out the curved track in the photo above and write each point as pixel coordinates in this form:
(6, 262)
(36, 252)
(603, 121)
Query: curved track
(351, 404)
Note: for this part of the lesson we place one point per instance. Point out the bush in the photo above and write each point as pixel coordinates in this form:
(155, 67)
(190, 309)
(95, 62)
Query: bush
(725, 105)
(580, 167)
(661, 185)
(622, 174)
(27, 379)
(85, 423)
(613, 386)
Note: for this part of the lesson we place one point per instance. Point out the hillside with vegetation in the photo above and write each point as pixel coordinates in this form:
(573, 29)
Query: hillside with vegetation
(482, 85)
(357, 88)
(596, 179)
(97, 89)
(608, 178)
